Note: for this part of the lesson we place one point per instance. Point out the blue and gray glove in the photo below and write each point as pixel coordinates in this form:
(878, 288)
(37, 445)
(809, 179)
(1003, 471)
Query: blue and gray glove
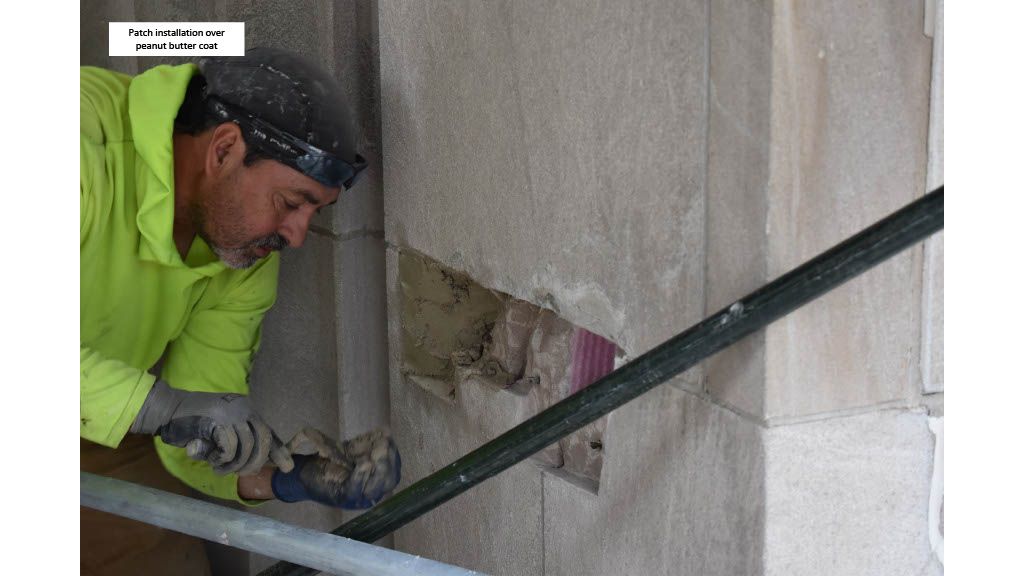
(353, 475)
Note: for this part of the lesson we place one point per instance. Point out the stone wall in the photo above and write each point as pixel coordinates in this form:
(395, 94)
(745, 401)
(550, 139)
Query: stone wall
(632, 167)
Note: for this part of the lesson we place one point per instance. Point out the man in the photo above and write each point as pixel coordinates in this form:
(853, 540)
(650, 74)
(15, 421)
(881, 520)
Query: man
(192, 179)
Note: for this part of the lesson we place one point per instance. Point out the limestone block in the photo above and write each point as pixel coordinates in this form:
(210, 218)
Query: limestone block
(360, 210)
(554, 155)
(738, 160)
(304, 27)
(362, 335)
(356, 62)
(681, 493)
(849, 496)
(352, 32)
(849, 126)
(294, 375)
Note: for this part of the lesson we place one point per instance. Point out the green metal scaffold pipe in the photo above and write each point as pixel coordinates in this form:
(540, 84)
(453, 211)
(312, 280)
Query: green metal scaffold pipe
(905, 227)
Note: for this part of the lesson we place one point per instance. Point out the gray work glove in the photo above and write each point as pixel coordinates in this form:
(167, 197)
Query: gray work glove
(353, 475)
(220, 428)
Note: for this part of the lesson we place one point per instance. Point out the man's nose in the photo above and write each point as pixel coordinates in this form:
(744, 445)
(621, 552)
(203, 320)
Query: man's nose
(294, 228)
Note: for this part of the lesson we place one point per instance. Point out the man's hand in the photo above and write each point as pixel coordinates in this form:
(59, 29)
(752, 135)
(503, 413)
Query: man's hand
(220, 428)
(354, 475)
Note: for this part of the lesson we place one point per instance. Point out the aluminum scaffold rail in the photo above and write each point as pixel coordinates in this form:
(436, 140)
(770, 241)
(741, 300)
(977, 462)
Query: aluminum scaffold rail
(320, 550)
(902, 229)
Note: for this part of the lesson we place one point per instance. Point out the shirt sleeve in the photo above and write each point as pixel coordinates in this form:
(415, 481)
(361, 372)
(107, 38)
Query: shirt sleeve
(214, 354)
(111, 394)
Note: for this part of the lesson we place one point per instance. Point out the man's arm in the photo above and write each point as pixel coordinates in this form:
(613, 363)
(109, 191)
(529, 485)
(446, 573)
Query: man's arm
(110, 395)
(214, 354)
(257, 486)
(110, 391)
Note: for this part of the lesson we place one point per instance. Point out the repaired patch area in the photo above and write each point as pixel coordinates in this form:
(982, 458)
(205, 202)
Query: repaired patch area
(457, 333)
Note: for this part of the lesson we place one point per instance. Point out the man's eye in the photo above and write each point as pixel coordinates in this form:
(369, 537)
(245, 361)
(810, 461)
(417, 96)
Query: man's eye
(291, 206)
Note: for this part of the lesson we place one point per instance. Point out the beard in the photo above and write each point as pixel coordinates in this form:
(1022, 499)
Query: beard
(248, 254)
(219, 222)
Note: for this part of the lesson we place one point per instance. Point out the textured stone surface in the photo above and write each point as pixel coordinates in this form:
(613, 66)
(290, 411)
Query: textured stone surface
(849, 126)
(496, 526)
(738, 160)
(559, 155)
(303, 27)
(94, 33)
(555, 155)
(932, 347)
(681, 493)
(849, 496)
(294, 375)
(351, 42)
(932, 331)
(362, 335)
(294, 381)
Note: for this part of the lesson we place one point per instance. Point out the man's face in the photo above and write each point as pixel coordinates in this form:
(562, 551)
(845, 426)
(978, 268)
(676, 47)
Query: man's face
(246, 212)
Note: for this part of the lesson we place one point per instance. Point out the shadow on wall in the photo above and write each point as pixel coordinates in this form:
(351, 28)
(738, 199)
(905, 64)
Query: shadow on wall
(457, 333)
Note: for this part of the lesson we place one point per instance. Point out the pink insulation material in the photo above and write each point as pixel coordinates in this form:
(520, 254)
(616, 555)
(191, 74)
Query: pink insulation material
(592, 357)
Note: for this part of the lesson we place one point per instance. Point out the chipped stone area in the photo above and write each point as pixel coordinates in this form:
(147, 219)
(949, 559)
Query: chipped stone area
(456, 333)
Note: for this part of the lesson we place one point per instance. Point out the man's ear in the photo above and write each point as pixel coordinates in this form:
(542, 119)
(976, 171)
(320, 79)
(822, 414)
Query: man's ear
(225, 149)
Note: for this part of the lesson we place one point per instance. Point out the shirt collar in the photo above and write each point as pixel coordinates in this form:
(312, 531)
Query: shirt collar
(153, 101)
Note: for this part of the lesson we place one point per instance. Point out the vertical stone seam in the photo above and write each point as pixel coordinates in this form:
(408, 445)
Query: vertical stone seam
(923, 363)
(375, 143)
(920, 252)
(325, 42)
(337, 272)
(783, 163)
(760, 554)
(925, 348)
(704, 375)
(766, 188)
(543, 529)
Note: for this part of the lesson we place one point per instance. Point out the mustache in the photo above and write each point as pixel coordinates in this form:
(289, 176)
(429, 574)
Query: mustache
(273, 242)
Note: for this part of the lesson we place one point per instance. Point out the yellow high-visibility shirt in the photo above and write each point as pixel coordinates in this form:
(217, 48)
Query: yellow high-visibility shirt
(137, 296)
